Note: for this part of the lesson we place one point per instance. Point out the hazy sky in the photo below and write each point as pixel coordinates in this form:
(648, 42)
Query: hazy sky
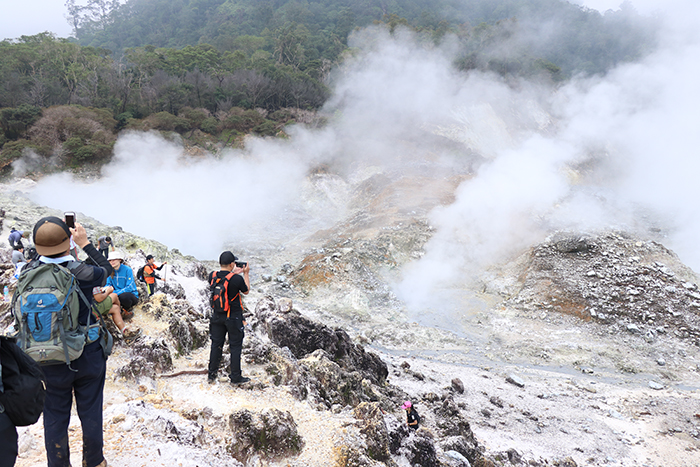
(643, 6)
(28, 17)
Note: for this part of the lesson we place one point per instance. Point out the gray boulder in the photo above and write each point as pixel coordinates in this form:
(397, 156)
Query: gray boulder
(148, 358)
(374, 429)
(270, 434)
(187, 334)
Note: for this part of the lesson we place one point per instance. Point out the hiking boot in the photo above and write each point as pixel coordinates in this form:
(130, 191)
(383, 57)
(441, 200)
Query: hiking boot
(211, 380)
(240, 380)
(103, 463)
(127, 314)
(131, 333)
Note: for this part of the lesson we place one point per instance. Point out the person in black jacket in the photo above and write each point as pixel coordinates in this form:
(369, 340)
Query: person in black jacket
(412, 417)
(86, 375)
(8, 432)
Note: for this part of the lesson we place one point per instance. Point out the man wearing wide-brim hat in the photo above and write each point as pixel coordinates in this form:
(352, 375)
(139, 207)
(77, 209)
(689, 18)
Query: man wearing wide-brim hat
(85, 377)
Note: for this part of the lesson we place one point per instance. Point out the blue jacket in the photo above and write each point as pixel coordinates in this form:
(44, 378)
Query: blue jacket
(123, 280)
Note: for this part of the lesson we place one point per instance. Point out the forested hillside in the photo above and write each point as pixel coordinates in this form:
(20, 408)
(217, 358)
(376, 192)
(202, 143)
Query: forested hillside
(201, 67)
(302, 32)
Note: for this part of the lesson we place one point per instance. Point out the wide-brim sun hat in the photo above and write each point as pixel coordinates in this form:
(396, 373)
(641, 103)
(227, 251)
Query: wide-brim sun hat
(116, 255)
(407, 405)
(51, 236)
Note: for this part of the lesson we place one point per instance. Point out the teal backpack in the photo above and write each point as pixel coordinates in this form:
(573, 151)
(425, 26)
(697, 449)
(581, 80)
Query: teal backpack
(46, 307)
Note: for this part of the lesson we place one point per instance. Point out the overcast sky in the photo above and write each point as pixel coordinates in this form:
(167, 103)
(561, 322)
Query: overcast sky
(29, 17)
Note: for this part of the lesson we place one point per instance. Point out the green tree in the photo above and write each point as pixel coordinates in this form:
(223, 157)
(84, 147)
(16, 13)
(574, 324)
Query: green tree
(15, 122)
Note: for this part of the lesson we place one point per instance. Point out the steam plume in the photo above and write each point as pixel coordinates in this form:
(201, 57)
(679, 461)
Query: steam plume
(594, 154)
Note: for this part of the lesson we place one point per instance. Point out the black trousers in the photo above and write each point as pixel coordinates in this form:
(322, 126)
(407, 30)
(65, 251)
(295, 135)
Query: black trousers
(219, 326)
(8, 441)
(128, 300)
(86, 383)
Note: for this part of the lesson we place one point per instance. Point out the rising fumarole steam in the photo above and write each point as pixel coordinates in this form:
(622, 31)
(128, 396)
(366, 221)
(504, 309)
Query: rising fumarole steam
(614, 151)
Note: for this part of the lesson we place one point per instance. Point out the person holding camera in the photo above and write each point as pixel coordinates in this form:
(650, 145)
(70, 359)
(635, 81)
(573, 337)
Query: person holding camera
(84, 379)
(226, 286)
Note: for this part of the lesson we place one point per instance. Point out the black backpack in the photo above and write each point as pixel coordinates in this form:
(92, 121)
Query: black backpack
(219, 292)
(30, 254)
(23, 382)
(139, 274)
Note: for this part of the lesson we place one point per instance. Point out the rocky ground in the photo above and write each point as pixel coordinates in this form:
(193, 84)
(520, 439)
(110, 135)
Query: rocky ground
(584, 352)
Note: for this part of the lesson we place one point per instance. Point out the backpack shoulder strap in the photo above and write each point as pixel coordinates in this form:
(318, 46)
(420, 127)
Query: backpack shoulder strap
(35, 263)
(227, 307)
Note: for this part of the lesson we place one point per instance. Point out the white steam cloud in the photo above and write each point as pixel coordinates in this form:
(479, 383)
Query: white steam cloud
(597, 153)
(195, 204)
(635, 129)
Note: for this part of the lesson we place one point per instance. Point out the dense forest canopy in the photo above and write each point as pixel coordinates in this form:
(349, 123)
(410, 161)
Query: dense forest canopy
(302, 31)
(200, 67)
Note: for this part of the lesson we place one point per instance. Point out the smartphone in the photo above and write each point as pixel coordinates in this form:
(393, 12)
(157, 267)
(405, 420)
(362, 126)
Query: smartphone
(241, 264)
(70, 219)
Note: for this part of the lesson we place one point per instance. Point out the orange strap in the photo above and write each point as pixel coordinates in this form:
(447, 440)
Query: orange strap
(228, 314)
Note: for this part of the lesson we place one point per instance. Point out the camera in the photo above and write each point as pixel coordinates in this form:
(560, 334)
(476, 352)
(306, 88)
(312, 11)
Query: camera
(70, 219)
(241, 264)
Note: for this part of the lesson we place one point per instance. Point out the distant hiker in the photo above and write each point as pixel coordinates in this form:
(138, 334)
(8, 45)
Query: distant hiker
(122, 281)
(149, 273)
(19, 261)
(31, 254)
(226, 286)
(104, 243)
(412, 417)
(16, 237)
(18, 254)
(84, 379)
(106, 301)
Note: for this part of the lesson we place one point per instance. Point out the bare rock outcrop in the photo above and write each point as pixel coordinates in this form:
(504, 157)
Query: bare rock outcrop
(614, 279)
(149, 357)
(270, 434)
(187, 334)
(303, 336)
(373, 427)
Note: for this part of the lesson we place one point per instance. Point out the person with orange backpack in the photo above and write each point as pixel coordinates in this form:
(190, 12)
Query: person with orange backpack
(149, 274)
(226, 287)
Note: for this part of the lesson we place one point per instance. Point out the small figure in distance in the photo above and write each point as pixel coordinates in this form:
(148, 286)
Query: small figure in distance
(149, 273)
(18, 254)
(16, 237)
(412, 417)
(19, 260)
(227, 317)
(104, 243)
